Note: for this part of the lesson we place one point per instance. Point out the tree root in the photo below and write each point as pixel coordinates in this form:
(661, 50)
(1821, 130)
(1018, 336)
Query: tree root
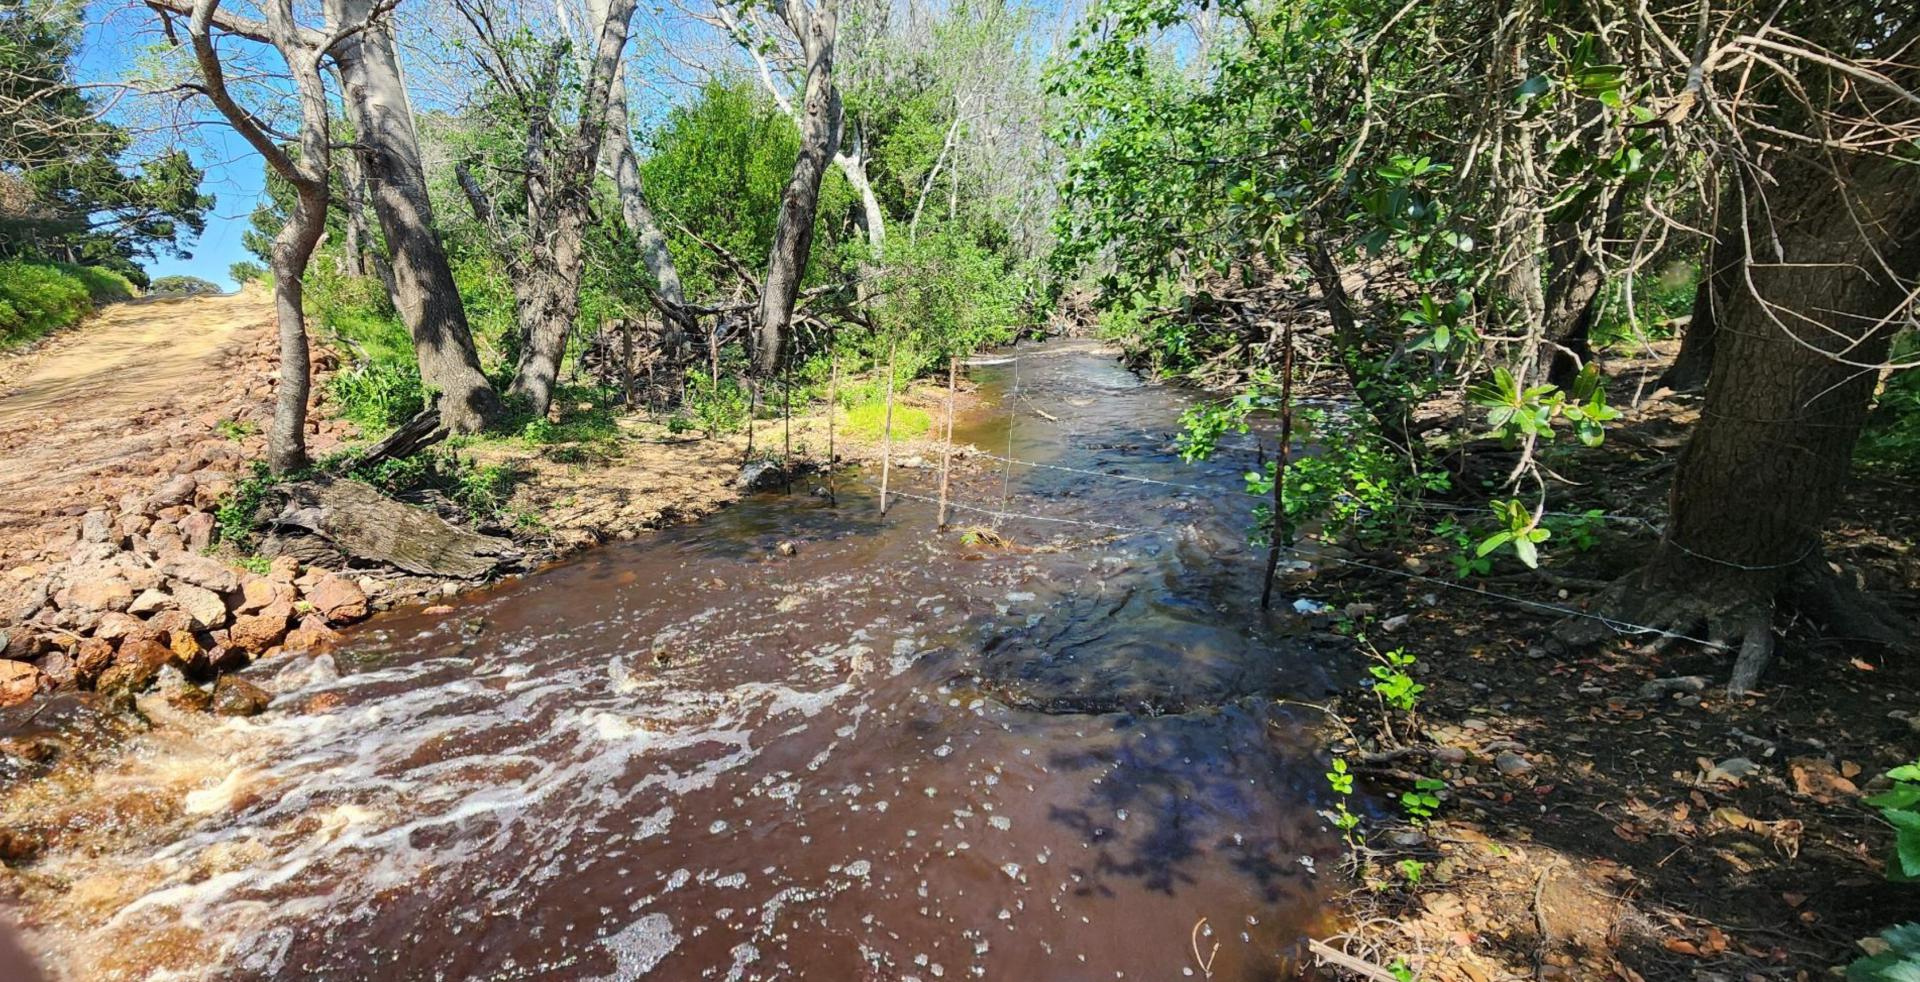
(1733, 614)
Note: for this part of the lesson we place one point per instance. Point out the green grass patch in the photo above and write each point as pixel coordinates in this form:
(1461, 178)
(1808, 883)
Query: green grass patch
(868, 420)
(39, 298)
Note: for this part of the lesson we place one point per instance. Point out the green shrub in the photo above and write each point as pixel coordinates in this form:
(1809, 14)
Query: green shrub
(103, 285)
(378, 395)
(37, 298)
(714, 405)
(246, 271)
(1891, 439)
(234, 514)
(182, 286)
(1357, 486)
(381, 388)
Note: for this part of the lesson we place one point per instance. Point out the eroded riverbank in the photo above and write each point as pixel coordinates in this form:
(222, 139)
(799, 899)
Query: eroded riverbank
(892, 754)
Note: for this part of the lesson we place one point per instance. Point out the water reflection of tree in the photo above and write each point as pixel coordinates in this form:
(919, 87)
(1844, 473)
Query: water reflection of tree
(1195, 788)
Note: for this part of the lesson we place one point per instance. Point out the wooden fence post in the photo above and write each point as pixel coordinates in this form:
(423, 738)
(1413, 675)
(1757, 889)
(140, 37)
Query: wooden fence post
(886, 433)
(786, 425)
(946, 458)
(833, 409)
(1281, 527)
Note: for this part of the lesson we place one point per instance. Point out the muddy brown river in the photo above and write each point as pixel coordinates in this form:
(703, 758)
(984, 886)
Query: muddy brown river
(897, 754)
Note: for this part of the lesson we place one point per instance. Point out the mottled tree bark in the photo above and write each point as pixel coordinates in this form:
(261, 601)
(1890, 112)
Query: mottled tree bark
(1794, 369)
(820, 118)
(307, 173)
(1797, 346)
(423, 288)
(623, 166)
(545, 264)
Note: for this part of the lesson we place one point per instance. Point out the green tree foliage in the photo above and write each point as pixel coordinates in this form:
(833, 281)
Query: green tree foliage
(1311, 138)
(714, 172)
(181, 286)
(67, 191)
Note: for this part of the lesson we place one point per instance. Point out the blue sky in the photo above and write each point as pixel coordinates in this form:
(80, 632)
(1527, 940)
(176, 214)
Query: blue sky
(116, 34)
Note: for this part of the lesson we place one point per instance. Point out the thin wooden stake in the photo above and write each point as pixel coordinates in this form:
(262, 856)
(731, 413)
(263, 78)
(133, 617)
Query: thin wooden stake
(1281, 527)
(626, 363)
(886, 435)
(753, 409)
(1006, 474)
(786, 425)
(833, 409)
(946, 458)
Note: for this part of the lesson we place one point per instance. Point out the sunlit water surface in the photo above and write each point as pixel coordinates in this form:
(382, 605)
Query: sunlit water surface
(897, 754)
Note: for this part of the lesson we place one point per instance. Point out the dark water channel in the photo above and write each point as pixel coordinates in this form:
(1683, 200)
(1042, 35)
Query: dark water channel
(896, 754)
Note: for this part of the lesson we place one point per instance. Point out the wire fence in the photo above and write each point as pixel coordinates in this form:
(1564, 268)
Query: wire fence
(1003, 513)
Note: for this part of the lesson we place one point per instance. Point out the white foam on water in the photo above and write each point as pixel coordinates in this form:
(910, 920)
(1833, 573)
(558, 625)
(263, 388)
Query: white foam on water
(640, 946)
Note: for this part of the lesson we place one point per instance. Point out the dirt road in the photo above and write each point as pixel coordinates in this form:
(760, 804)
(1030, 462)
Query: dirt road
(125, 398)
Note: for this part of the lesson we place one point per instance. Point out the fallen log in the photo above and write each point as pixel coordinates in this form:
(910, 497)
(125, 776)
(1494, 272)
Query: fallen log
(423, 430)
(367, 525)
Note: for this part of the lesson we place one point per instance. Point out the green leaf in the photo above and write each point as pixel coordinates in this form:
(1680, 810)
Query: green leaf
(1600, 78)
(1528, 553)
(1905, 772)
(1493, 542)
(1899, 796)
(1906, 845)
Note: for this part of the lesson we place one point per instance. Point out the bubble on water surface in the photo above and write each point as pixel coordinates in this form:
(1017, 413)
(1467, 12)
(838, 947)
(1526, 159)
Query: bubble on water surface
(639, 946)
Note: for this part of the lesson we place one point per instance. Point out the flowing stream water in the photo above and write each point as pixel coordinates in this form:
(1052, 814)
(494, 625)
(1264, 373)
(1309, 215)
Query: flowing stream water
(896, 754)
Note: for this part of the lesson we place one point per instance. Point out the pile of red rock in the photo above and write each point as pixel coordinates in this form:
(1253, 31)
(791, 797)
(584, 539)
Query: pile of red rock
(137, 595)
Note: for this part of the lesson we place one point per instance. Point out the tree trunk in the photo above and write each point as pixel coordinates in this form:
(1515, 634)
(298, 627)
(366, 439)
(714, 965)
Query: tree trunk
(547, 299)
(1573, 294)
(292, 248)
(623, 166)
(819, 141)
(364, 254)
(547, 283)
(1720, 278)
(873, 218)
(1792, 377)
(365, 524)
(1361, 353)
(423, 288)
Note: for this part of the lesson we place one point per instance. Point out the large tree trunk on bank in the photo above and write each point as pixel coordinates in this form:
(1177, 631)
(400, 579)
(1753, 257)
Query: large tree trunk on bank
(1793, 375)
(546, 278)
(293, 246)
(547, 298)
(423, 288)
(1721, 272)
(820, 118)
(623, 166)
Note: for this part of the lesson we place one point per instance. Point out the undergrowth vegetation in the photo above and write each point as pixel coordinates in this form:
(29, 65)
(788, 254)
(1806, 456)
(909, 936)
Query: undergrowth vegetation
(38, 298)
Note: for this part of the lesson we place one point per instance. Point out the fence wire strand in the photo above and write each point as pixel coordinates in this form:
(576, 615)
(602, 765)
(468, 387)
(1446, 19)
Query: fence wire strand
(1617, 625)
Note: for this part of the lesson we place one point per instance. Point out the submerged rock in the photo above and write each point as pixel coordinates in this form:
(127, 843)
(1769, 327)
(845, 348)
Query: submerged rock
(235, 696)
(18, 682)
(760, 475)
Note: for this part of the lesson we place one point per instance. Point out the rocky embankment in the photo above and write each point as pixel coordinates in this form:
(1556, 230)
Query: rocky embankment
(119, 452)
(112, 576)
(134, 606)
